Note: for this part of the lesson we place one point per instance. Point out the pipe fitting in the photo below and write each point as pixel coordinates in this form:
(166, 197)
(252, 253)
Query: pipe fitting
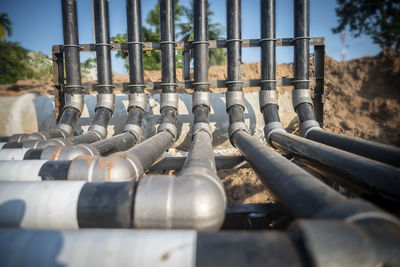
(70, 153)
(202, 126)
(75, 101)
(169, 100)
(106, 101)
(201, 98)
(307, 126)
(267, 97)
(234, 98)
(137, 100)
(300, 96)
(237, 126)
(51, 152)
(134, 129)
(271, 128)
(99, 130)
(169, 127)
(101, 169)
(194, 200)
(69, 131)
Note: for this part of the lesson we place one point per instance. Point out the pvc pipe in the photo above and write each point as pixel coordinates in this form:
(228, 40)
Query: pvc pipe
(13, 154)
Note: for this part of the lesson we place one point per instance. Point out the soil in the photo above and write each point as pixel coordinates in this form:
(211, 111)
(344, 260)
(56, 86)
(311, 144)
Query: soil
(362, 98)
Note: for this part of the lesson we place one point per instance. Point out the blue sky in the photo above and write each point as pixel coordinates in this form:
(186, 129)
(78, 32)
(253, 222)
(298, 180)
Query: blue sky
(37, 26)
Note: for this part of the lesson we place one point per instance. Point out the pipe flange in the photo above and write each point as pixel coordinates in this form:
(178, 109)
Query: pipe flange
(169, 100)
(234, 98)
(137, 100)
(106, 101)
(268, 97)
(237, 126)
(169, 127)
(134, 129)
(99, 130)
(300, 96)
(65, 128)
(75, 101)
(271, 128)
(307, 126)
(201, 98)
(202, 126)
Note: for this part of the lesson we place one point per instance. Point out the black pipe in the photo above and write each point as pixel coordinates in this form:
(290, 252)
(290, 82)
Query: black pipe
(379, 152)
(120, 142)
(200, 44)
(372, 177)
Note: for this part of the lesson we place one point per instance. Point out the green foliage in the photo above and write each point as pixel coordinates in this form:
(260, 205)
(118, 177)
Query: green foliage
(5, 26)
(153, 17)
(379, 19)
(87, 65)
(41, 66)
(13, 62)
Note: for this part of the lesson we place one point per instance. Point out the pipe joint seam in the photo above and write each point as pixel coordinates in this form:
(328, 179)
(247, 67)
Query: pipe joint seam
(137, 100)
(169, 100)
(134, 129)
(307, 126)
(202, 126)
(271, 128)
(201, 98)
(169, 127)
(67, 129)
(372, 215)
(237, 126)
(106, 101)
(234, 98)
(70, 153)
(136, 164)
(300, 96)
(268, 97)
(75, 101)
(99, 130)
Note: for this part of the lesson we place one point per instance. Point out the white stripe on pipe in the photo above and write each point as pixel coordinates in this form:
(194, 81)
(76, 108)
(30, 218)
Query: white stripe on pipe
(13, 153)
(99, 247)
(44, 205)
(2, 144)
(21, 170)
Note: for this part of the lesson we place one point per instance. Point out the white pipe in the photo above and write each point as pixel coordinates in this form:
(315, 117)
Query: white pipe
(21, 170)
(13, 153)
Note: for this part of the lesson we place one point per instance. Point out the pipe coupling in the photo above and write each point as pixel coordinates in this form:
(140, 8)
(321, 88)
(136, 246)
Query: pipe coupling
(201, 98)
(106, 101)
(300, 96)
(169, 100)
(270, 128)
(99, 130)
(134, 129)
(267, 97)
(237, 126)
(137, 100)
(234, 98)
(136, 165)
(75, 101)
(169, 127)
(65, 128)
(307, 126)
(202, 126)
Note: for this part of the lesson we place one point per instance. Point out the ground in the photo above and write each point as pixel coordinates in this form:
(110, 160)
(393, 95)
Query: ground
(362, 98)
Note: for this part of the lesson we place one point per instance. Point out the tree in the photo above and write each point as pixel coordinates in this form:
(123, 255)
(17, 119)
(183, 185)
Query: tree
(14, 62)
(5, 26)
(215, 30)
(379, 19)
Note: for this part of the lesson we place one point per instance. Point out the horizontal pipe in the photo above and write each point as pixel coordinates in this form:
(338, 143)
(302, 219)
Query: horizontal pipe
(370, 176)
(379, 152)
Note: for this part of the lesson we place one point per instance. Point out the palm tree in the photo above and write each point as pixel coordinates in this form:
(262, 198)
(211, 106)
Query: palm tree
(5, 26)
(215, 30)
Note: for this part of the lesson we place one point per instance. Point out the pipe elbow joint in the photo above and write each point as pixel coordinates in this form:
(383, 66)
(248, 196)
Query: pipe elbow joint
(307, 126)
(234, 127)
(191, 201)
(70, 153)
(169, 127)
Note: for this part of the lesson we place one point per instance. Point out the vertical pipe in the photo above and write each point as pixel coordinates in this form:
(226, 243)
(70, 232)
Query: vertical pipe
(319, 64)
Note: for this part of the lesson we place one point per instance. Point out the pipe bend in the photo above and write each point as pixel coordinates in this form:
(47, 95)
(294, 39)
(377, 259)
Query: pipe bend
(70, 153)
(193, 200)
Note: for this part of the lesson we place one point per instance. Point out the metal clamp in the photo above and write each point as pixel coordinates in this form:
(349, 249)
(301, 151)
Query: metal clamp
(267, 97)
(99, 130)
(169, 127)
(134, 129)
(267, 39)
(169, 100)
(300, 96)
(202, 126)
(201, 98)
(137, 100)
(74, 101)
(200, 42)
(237, 126)
(271, 128)
(106, 101)
(307, 126)
(234, 98)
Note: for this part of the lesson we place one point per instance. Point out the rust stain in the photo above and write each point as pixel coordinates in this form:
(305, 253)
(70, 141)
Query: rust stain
(108, 164)
(55, 155)
(88, 158)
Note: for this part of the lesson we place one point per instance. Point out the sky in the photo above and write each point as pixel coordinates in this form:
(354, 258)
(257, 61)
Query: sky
(37, 26)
